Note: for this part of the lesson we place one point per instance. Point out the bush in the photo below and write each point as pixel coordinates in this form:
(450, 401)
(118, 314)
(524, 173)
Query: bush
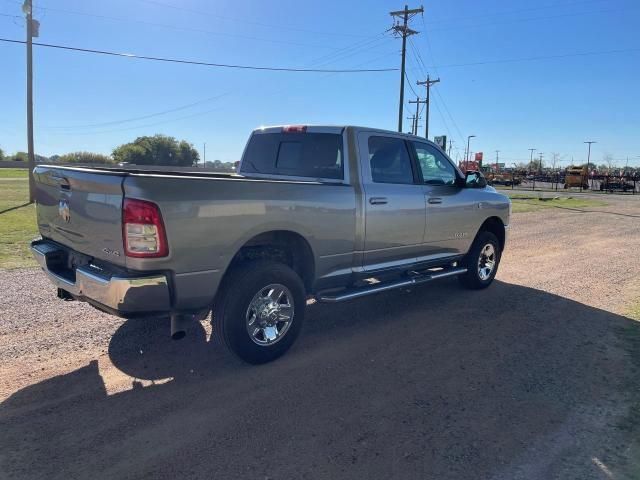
(85, 157)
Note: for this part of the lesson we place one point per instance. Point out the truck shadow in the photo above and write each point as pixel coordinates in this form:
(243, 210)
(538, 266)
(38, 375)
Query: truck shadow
(437, 382)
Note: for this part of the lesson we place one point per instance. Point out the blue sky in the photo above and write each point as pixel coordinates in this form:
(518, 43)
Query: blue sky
(82, 101)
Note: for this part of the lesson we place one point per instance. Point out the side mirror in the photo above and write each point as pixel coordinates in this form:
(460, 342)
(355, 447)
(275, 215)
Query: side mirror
(475, 180)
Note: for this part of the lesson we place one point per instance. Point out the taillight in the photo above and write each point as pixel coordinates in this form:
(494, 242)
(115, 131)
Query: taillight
(294, 129)
(143, 231)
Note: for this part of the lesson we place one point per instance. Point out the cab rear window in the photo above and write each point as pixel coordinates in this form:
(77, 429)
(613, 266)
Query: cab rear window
(312, 155)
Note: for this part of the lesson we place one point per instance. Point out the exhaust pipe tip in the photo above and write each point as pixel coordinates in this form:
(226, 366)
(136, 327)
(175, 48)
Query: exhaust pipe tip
(179, 335)
(179, 323)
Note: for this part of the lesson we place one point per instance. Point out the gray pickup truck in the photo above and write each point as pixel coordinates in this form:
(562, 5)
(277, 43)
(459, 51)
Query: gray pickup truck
(324, 212)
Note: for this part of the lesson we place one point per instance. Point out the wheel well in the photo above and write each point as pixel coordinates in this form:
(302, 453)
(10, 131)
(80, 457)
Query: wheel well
(495, 226)
(282, 246)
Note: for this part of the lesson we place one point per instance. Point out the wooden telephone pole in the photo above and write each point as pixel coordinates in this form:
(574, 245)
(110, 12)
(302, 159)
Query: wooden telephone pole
(418, 102)
(403, 31)
(427, 83)
(413, 124)
(27, 8)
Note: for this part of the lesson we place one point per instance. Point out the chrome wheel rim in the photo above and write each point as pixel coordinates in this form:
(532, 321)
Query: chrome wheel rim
(486, 262)
(270, 314)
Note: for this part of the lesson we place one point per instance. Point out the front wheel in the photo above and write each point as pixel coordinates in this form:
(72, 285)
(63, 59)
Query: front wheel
(259, 311)
(481, 262)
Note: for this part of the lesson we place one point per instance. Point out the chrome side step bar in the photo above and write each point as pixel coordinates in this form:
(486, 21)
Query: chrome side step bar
(383, 287)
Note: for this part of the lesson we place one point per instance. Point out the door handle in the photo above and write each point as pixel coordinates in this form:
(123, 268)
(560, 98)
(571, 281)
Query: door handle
(378, 200)
(434, 200)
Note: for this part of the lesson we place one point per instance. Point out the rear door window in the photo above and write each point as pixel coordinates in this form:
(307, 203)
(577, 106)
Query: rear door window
(312, 155)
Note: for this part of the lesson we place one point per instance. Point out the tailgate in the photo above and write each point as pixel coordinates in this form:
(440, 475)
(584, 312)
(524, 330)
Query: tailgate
(81, 209)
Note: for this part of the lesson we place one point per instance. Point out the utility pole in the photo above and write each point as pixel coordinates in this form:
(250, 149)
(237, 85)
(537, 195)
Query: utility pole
(553, 169)
(404, 31)
(536, 170)
(540, 163)
(204, 156)
(497, 152)
(589, 142)
(413, 124)
(427, 83)
(466, 155)
(417, 116)
(27, 8)
(417, 101)
(450, 145)
(531, 157)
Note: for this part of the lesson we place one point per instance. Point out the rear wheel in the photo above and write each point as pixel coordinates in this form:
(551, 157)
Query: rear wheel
(481, 261)
(259, 311)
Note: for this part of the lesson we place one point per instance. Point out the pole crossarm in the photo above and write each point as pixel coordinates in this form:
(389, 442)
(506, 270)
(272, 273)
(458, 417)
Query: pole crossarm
(412, 12)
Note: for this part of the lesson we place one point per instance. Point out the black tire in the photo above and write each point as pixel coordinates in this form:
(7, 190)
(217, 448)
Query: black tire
(472, 279)
(230, 310)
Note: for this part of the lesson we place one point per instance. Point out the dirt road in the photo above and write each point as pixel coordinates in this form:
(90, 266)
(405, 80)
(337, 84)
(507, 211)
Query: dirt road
(532, 378)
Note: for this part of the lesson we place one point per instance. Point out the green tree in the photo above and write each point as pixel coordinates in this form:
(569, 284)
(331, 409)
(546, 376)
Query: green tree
(189, 155)
(85, 157)
(19, 157)
(221, 166)
(157, 150)
(1, 154)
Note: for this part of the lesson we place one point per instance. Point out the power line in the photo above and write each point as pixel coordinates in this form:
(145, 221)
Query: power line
(433, 59)
(201, 63)
(348, 52)
(176, 27)
(418, 58)
(455, 125)
(197, 114)
(475, 24)
(444, 121)
(198, 30)
(208, 99)
(541, 57)
(503, 12)
(142, 117)
(410, 84)
(171, 120)
(249, 22)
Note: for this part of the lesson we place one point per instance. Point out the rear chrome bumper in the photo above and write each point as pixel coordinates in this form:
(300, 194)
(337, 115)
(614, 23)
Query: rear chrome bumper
(121, 294)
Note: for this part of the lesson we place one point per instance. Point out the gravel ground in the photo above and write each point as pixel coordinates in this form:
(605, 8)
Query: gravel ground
(528, 379)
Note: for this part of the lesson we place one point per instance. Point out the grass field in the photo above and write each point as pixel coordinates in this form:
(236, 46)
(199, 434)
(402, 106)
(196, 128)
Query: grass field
(17, 219)
(532, 202)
